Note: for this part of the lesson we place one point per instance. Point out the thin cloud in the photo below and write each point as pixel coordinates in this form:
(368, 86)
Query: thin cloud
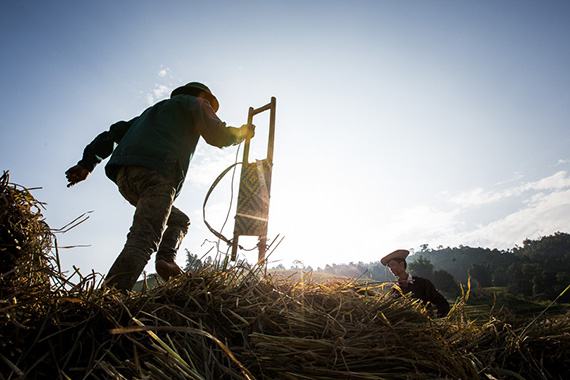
(557, 181)
(160, 91)
(479, 196)
(515, 177)
(544, 215)
(163, 72)
(543, 211)
(476, 197)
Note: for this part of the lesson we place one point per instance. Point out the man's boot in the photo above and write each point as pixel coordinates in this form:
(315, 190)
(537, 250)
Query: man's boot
(165, 265)
(167, 270)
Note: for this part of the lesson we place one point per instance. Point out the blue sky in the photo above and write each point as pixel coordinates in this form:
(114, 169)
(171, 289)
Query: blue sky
(398, 123)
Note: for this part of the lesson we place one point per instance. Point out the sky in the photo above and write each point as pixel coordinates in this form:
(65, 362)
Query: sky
(398, 123)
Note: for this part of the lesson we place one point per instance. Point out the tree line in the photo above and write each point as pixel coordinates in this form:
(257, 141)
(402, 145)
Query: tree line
(539, 269)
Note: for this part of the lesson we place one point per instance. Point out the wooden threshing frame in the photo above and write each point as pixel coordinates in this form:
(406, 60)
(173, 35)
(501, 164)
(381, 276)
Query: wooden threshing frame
(252, 213)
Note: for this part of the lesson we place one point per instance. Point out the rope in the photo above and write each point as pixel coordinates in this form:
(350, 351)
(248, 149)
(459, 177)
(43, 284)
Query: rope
(231, 190)
(214, 184)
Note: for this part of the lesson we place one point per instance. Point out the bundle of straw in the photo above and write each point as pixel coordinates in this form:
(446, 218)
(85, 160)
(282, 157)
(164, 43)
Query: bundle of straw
(233, 322)
(25, 240)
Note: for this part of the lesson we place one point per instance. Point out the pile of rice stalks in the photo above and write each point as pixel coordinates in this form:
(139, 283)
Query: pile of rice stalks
(223, 322)
(25, 241)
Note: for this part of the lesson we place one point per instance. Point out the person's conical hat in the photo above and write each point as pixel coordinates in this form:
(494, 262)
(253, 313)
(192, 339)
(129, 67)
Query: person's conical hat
(397, 254)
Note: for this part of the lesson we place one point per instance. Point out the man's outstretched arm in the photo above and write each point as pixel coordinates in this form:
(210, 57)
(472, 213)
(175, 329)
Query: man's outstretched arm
(100, 148)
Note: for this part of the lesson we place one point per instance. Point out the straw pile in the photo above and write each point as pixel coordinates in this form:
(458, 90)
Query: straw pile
(24, 240)
(223, 322)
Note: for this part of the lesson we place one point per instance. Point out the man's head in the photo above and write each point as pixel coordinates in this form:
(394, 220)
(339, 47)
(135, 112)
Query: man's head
(398, 267)
(199, 90)
(396, 261)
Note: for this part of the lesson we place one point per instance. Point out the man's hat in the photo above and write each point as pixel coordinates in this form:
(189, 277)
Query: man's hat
(397, 254)
(190, 90)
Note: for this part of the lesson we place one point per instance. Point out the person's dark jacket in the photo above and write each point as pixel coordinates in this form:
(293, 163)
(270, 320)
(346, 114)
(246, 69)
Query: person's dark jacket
(423, 289)
(163, 138)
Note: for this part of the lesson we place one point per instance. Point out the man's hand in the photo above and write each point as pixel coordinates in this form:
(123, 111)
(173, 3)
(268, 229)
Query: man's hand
(247, 131)
(76, 174)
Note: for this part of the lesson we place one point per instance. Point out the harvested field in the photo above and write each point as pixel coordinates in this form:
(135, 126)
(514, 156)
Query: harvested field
(223, 322)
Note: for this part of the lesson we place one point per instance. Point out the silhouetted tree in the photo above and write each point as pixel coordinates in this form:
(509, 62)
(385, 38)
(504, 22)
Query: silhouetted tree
(193, 263)
(445, 282)
(483, 274)
(500, 277)
(421, 267)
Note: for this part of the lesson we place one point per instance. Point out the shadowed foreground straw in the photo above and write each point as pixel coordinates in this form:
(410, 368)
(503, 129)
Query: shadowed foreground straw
(224, 322)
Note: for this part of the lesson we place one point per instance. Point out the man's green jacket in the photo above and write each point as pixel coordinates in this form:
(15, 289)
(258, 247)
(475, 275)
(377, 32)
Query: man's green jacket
(162, 138)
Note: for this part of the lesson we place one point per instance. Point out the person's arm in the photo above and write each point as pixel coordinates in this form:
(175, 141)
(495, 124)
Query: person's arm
(216, 133)
(104, 144)
(437, 299)
(100, 148)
